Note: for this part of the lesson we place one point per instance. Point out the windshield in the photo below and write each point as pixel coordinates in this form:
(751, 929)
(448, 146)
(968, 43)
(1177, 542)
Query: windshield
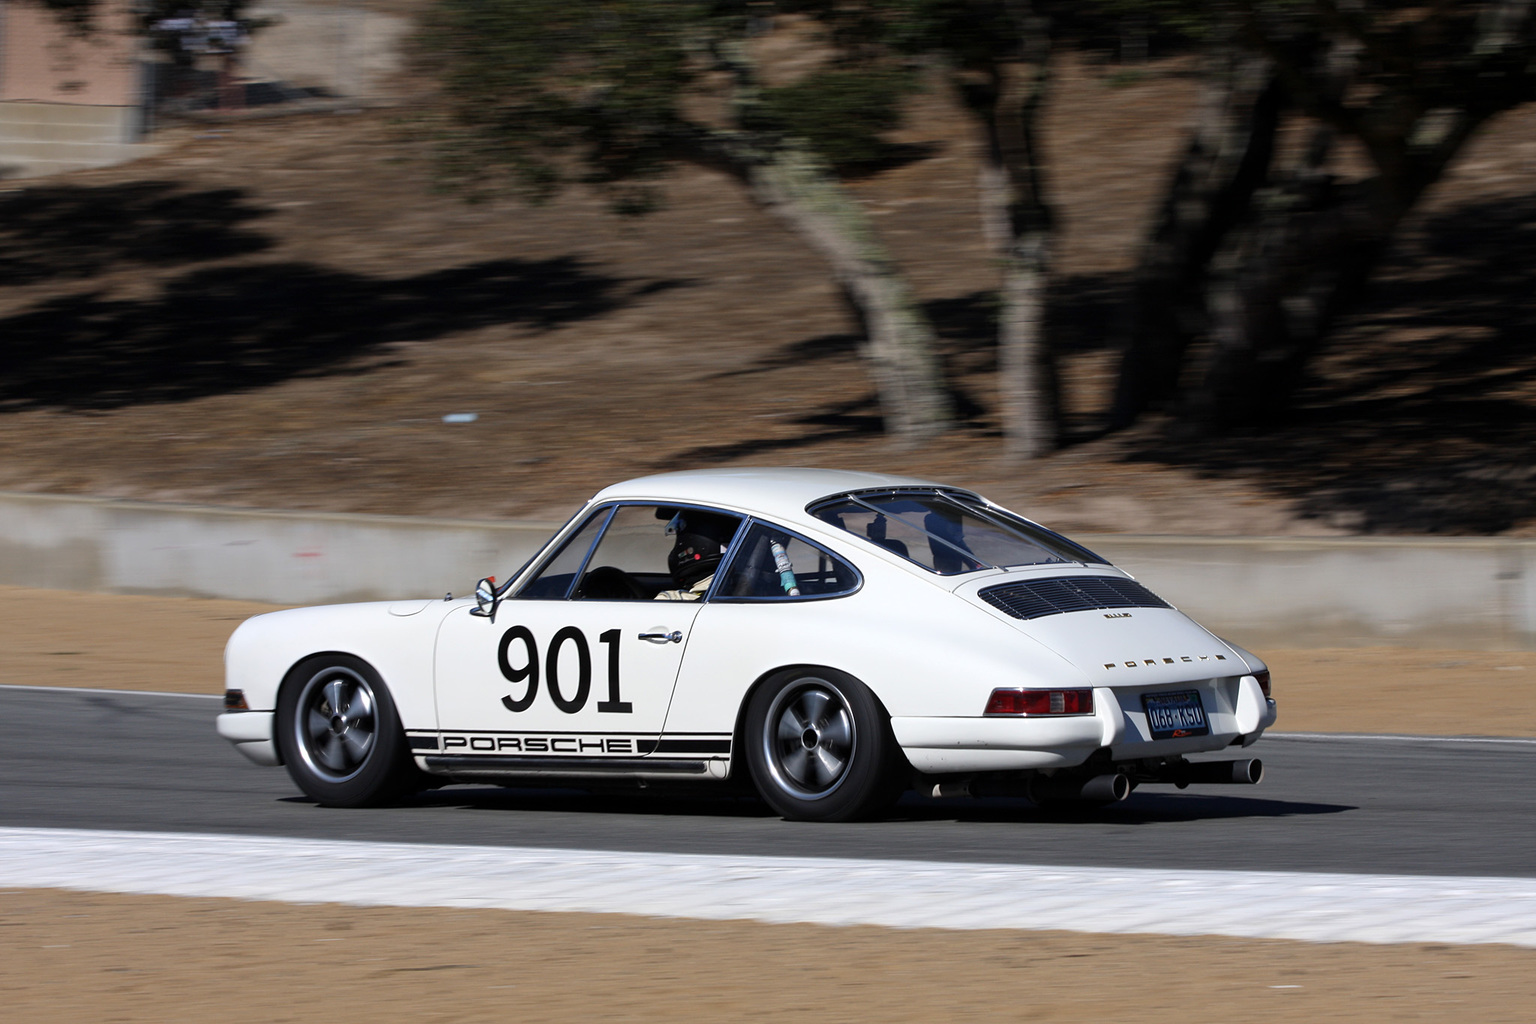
(947, 532)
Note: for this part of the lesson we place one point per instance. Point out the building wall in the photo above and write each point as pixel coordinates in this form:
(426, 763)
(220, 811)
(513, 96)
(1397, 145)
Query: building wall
(67, 101)
(42, 61)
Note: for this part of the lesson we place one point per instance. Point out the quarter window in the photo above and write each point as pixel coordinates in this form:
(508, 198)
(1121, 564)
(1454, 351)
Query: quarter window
(774, 564)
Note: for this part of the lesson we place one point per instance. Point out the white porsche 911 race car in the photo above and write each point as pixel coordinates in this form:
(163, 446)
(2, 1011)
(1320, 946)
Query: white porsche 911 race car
(833, 637)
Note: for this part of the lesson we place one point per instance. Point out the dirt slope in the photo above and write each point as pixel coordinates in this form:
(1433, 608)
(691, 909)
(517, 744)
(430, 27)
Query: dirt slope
(279, 313)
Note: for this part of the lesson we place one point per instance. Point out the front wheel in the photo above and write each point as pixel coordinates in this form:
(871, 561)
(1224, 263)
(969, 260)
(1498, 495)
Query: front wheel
(339, 734)
(819, 746)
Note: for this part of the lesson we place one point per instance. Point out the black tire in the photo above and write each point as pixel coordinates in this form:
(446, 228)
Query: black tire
(819, 746)
(340, 736)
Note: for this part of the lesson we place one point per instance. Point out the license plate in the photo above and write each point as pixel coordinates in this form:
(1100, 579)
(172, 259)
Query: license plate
(1171, 715)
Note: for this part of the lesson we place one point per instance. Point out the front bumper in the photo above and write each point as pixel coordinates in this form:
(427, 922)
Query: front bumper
(1236, 711)
(251, 733)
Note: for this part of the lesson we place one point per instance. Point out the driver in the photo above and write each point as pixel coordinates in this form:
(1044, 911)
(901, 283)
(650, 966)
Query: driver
(702, 538)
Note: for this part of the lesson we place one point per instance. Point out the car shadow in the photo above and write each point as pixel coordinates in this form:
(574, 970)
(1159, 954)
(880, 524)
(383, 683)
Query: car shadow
(1142, 808)
(647, 802)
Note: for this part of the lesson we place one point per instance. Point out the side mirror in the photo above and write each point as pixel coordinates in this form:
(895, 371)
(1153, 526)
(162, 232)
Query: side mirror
(486, 599)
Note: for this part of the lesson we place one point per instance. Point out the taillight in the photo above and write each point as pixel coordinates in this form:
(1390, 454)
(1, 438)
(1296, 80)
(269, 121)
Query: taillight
(1263, 678)
(234, 700)
(1040, 702)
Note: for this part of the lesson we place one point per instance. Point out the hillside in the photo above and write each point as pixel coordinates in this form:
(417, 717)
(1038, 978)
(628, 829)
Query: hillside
(280, 312)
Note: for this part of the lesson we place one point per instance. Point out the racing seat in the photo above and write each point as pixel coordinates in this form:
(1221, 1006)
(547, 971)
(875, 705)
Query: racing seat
(947, 559)
(875, 531)
(608, 583)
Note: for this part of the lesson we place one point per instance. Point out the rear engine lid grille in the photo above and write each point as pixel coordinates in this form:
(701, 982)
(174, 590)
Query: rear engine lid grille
(1035, 599)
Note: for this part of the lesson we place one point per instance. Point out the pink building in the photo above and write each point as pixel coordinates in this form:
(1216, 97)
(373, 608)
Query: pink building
(68, 101)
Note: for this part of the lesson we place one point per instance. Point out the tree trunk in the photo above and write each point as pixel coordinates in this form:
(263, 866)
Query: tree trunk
(1018, 223)
(1010, 190)
(795, 186)
(793, 183)
(1273, 291)
(1226, 158)
(1277, 290)
(1307, 253)
(1306, 257)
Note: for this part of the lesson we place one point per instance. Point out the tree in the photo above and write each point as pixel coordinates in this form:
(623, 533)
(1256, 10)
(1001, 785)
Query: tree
(1278, 253)
(998, 53)
(612, 93)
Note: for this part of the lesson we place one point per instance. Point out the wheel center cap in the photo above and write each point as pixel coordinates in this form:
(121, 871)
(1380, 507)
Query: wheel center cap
(338, 724)
(809, 738)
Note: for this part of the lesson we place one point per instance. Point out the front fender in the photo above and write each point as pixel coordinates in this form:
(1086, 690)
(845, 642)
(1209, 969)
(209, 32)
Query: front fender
(263, 650)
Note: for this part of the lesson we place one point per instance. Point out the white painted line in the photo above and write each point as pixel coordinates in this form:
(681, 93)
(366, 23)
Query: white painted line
(1392, 737)
(121, 693)
(830, 891)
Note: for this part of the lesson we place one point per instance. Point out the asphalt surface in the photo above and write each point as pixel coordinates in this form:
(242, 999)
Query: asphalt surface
(140, 762)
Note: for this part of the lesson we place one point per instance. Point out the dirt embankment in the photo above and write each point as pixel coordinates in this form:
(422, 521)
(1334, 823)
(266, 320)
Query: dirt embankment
(279, 313)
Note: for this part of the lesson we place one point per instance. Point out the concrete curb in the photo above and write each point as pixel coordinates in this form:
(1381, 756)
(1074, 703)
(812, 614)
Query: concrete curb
(1466, 593)
(831, 891)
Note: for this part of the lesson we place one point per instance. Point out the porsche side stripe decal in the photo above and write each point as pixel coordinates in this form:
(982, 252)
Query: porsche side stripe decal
(569, 732)
(591, 744)
(469, 764)
(670, 746)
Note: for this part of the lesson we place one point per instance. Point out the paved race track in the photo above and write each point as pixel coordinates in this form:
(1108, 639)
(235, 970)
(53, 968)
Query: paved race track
(139, 762)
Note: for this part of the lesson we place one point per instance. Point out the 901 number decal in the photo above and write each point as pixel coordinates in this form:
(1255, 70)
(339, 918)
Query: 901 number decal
(528, 671)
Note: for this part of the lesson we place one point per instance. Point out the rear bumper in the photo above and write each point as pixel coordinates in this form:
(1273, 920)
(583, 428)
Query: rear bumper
(251, 733)
(1236, 711)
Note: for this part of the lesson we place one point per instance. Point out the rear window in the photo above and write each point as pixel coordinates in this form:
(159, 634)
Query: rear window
(949, 533)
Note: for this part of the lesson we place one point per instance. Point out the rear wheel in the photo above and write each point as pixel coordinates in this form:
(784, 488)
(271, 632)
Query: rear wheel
(819, 746)
(339, 734)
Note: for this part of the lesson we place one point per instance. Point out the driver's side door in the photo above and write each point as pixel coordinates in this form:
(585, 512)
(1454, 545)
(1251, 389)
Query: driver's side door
(563, 677)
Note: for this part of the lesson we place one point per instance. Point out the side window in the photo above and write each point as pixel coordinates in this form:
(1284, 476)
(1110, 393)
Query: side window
(554, 580)
(657, 551)
(776, 564)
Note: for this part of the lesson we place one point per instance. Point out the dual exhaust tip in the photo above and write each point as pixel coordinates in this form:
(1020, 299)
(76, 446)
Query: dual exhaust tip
(1112, 787)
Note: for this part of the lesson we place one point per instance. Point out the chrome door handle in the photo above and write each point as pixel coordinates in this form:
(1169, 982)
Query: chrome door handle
(673, 637)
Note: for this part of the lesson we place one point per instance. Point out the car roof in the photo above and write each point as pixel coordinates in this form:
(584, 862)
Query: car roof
(781, 492)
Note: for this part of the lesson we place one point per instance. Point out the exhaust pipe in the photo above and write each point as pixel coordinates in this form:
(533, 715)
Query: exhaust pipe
(1247, 772)
(1110, 788)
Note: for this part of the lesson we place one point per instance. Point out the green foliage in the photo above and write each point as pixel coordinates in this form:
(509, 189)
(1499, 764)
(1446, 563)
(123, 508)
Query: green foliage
(1191, 19)
(841, 113)
(552, 90)
(609, 92)
(968, 33)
